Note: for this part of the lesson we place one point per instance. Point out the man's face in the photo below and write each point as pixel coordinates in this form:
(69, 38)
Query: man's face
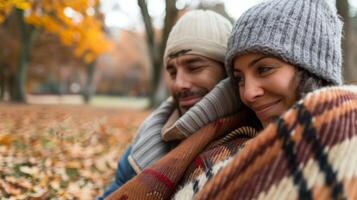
(191, 77)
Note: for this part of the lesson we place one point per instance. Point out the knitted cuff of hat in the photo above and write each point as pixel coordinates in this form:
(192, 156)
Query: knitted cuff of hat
(304, 33)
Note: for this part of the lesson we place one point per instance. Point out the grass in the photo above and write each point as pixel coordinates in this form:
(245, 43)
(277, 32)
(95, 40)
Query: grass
(120, 102)
(97, 101)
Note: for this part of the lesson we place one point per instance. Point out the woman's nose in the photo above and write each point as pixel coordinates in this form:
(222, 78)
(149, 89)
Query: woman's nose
(252, 90)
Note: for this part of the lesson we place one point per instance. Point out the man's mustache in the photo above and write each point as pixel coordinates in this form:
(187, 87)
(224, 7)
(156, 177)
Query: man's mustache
(189, 93)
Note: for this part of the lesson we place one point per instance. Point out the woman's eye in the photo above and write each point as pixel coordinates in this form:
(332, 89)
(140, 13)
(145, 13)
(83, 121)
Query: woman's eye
(264, 69)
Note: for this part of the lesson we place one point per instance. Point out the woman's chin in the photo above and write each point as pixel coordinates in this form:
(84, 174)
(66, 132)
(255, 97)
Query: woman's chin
(269, 120)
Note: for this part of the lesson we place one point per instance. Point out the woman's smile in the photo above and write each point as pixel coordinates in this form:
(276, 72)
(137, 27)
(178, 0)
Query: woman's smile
(266, 84)
(263, 111)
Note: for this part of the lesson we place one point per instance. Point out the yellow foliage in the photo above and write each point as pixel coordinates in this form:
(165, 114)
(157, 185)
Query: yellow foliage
(80, 5)
(48, 6)
(50, 24)
(78, 51)
(88, 58)
(33, 19)
(62, 17)
(82, 31)
(66, 36)
(22, 4)
(5, 9)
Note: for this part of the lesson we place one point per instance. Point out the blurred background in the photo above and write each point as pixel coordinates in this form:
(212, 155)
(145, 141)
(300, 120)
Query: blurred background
(76, 79)
(106, 52)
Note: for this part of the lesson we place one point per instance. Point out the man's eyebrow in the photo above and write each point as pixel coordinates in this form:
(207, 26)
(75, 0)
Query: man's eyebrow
(179, 53)
(192, 60)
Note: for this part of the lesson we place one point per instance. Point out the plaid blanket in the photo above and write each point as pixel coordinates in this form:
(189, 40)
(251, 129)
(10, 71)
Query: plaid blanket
(161, 180)
(149, 144)
(309, 153)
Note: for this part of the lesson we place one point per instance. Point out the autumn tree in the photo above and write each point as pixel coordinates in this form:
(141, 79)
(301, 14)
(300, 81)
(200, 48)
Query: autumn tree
(8, 54)
(349, 69)
(76, 23)
(26, 38)
(343, 10)
(156, 45)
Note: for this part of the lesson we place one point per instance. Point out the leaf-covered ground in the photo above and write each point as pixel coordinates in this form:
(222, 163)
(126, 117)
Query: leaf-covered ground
(61, 152)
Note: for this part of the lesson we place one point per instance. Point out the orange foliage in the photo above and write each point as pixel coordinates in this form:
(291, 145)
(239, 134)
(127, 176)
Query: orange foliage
(76, 23)
(61, 152)
(6, 6)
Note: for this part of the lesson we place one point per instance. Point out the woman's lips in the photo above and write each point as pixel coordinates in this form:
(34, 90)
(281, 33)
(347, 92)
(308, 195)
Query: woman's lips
(262, 109)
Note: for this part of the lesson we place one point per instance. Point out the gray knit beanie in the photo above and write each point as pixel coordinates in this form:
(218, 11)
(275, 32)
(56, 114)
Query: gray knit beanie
(304, 33)
(200, 32)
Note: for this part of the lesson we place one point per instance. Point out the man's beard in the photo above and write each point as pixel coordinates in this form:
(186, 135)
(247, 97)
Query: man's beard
(188, 93)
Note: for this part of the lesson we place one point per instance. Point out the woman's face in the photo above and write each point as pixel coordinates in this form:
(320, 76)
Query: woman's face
(267, 85)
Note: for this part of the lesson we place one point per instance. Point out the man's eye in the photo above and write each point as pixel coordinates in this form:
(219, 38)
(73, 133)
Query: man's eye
(195, 68)
(238, 78)
(172, 74)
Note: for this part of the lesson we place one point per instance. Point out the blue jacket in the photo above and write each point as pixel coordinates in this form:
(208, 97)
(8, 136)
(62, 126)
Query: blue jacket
(123, 173)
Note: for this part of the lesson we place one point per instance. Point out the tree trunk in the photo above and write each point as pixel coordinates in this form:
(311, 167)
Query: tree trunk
(156, 48)
(89, 88)
(349, 72)
(2, 82)
(17, 92)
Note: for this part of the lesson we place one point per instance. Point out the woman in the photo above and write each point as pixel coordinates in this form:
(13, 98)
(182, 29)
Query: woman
(307, 149)
(268, 85)
(286, 44)
(279, 51)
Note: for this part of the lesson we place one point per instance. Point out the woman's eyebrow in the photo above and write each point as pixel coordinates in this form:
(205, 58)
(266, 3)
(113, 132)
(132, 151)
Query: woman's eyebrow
(257, 60)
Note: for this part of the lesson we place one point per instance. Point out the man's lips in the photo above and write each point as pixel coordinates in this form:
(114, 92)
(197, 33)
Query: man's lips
(262, 108)
(189, 101)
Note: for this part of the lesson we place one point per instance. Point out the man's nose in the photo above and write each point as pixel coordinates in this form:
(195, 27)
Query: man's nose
(252, 90)
(182, 81)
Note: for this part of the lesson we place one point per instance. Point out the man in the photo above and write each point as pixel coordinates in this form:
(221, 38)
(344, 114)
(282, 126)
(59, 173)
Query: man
(194, 64)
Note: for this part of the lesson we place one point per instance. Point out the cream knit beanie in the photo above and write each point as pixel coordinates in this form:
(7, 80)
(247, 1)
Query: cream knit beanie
(199, 32)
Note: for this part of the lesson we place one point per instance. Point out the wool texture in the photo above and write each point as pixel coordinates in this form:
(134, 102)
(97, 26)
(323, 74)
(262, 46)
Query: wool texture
(160, 180)
(189, 190)
(309, 153)
(199, 32)
(149, 145)
(304, 33)
(211, 160)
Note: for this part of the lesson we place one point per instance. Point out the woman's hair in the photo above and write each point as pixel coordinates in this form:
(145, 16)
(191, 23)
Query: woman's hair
(309, 82)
